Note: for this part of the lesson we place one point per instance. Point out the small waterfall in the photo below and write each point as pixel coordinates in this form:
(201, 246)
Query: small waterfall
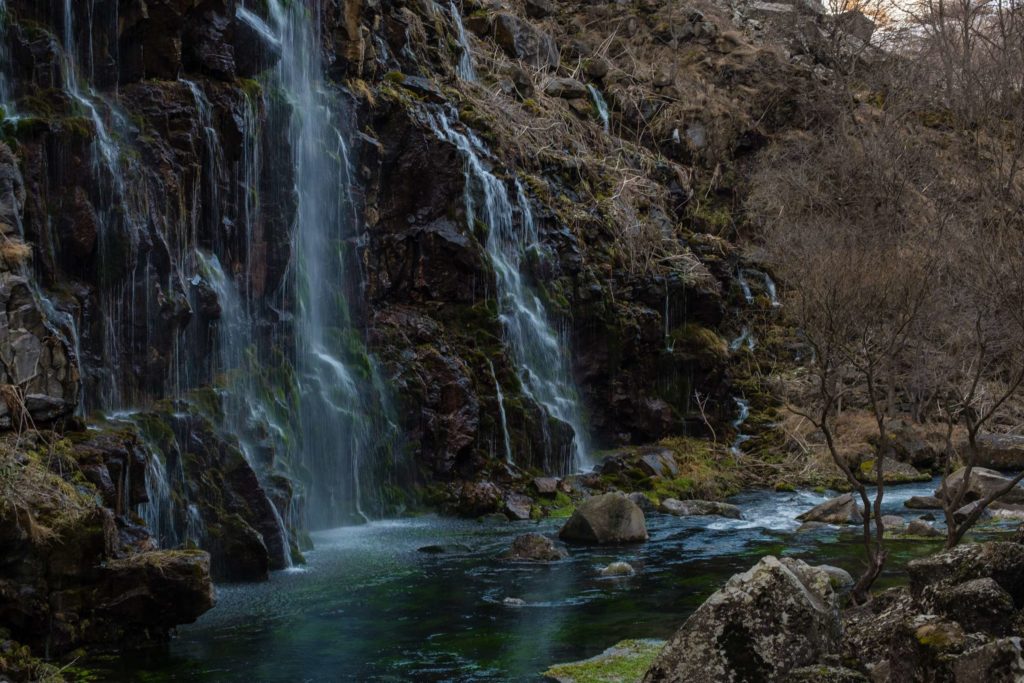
(538, 350)
(600, 105)
(501, 412)
(342, 415)
(746, 338)
(743, 408)
(6, 103)
(748, 295)
(464, 69)
(773, 293)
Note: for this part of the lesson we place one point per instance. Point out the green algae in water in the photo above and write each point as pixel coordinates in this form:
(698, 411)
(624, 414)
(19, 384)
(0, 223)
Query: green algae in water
(624, 662)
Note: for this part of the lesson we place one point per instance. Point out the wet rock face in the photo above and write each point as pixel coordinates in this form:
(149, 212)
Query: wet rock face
(983, 482)
(82, 574)
(36, 360)
(779, 616)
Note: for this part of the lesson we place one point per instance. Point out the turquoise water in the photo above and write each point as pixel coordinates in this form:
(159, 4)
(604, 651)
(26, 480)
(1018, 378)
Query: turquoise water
(371, 606)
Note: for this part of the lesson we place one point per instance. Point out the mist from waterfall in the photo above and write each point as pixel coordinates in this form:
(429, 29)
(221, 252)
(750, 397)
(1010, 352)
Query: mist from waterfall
(538, 350)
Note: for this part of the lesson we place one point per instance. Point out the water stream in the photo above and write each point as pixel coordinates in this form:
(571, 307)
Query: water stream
(464, 69)
(600, 105)
(540, 353)
(371, 607)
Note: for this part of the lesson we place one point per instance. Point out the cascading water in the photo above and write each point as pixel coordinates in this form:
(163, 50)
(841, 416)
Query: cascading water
(600, 105)
(743, 408)
(464, 69)
(502, 414)
(537, 349)
(342, 416)
(243, 402)
(745, 338)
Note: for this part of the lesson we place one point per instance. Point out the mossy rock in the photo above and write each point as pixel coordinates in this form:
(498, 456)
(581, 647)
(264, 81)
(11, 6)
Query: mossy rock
(624, 662)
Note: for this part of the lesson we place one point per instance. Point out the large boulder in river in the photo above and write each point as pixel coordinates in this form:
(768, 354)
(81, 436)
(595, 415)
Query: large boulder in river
(777, 617)
(840, 510)
(982, 483)
(535, 548)
(608, 518)
(695, 508)
(1000, 452)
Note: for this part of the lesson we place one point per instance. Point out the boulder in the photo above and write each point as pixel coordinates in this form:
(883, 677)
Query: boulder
(825, 674)
(546, 486)
(1001, 562)
(535, 548)
(855, 24)
(608, 518)
(162, 588)
(659, 462)
(998, 661)
(777, 617)
(894, 523)
(1000, 452)
(960, 515)
(538, 9)
(894, 472)
(518, 506)
(1004, 511)
(642, 501)
(983, 482)
(840, 510)
(919, 527)
(693, 508)
(978, 605)
(840, 579)
(923, 503)
(522, 40)
(566, 88)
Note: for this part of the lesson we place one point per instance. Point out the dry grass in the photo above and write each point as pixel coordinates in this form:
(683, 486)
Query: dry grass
(14, 253)
(38, 500)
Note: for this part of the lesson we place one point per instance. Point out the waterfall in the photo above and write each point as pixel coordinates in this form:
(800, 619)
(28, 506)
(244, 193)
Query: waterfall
(464, 69)
(243, 402)
(600, 105)
(340, 409)
(746, 338)
(6, 103)
(502, 414)
(773, 294)
(538, 350)
(743, 407)
(748, 295)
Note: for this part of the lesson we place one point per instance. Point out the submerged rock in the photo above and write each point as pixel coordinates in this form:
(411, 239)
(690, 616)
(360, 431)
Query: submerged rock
(840, 510)
(694, 508)
(535, 548)
(778, 616)
(514, 602)
(618, 569)
(605, 519)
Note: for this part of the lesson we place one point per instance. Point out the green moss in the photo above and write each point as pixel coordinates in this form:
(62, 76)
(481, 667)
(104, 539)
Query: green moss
(625, 662)
(396, 77)
(699, 340)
